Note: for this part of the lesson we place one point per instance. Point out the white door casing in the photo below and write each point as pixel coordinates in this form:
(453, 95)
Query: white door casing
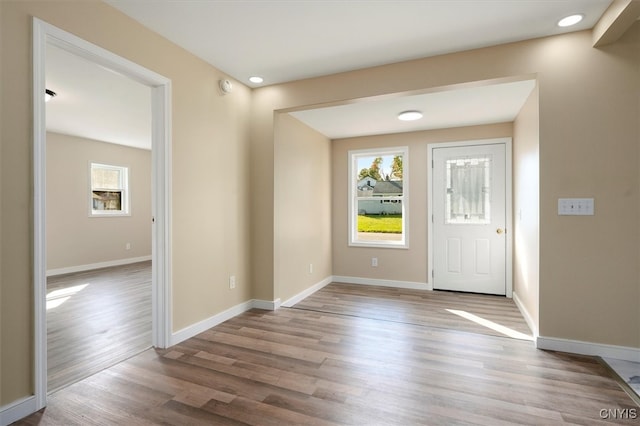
(470, 203)
(43, 34)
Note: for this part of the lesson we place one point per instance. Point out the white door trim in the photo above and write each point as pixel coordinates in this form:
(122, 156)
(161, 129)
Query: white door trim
(43, 34)
(508, 201)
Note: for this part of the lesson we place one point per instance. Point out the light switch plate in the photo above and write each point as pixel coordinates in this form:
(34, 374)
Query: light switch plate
(576, 206)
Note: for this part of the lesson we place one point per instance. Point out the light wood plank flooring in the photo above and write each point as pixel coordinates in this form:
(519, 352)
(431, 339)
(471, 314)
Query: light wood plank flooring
(304, 367)
(96, 319)
(475, 313)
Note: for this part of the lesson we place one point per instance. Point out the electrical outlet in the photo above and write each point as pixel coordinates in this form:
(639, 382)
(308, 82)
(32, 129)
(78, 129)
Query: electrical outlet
(311, 268)
(374, 262)
(232, 282)
(127, 246)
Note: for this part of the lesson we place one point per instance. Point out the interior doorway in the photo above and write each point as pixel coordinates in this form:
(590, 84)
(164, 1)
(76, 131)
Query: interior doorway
(98, 212)
(45, 35)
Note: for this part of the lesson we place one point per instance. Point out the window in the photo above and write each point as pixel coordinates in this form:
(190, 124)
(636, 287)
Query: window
(378, 197)
(468, 191)
(109, 192)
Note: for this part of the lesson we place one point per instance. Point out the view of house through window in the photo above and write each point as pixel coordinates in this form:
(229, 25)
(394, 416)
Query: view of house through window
(109, 193)
(378, 195)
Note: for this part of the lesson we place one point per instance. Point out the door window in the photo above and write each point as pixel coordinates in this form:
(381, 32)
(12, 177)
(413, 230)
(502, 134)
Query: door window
(468, 188)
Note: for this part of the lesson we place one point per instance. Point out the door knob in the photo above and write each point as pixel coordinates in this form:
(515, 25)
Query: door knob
(500, 231)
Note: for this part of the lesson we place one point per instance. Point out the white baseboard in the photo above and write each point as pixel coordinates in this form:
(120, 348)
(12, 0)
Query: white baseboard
(92, 266)
(306, 293)
(383, 283)
(199, 327)
(17, 410)
(525, 314)
(587, 348)
(265, 304)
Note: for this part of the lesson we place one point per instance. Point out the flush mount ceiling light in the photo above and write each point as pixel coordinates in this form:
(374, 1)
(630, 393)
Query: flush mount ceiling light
(570, 20)
(49, 94)
(256, 79)
(410, 115)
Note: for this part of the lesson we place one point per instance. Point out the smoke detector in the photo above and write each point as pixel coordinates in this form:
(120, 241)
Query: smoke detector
(225, 86)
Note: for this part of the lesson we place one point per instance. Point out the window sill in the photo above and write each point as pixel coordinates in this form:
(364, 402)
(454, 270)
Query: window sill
(110, 215)
(381, 244)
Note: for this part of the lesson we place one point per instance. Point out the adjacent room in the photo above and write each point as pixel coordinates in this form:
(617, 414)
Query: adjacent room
(98, 215)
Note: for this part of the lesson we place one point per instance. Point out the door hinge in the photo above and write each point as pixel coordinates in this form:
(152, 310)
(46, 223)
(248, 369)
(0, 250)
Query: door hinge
(433, 273)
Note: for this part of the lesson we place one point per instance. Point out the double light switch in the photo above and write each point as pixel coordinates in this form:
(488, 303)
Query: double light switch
(575, 207)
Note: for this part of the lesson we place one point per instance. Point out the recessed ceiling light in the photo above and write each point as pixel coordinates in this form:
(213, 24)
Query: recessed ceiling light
(570, 20)
(410, 115)
(256, 79)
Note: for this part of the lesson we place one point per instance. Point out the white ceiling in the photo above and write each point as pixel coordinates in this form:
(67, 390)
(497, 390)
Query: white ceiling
(290, 40)
(285, 40)
(499, 103)
(96, 103)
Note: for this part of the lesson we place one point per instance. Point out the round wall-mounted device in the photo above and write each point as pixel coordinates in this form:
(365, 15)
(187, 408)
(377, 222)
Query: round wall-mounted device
(225, 86)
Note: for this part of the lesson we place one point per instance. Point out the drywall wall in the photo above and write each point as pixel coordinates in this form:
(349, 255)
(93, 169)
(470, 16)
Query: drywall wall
(303, 211)
(589, 141)
(526, 208)
(397, 264)
(210, 159)
(74, 238)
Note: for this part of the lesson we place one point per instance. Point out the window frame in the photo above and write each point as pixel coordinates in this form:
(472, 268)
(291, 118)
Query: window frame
(353, 171)
(125, 200)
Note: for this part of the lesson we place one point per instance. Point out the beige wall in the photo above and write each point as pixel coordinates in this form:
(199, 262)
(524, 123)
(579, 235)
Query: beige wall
(210, 155)
(410, 265)
(73, 237)
(589, 140)
(526, 209)
(302, 175)
(262, 195)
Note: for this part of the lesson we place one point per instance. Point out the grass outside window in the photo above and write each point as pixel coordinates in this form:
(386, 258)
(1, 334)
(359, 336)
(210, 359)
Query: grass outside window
(389, 224)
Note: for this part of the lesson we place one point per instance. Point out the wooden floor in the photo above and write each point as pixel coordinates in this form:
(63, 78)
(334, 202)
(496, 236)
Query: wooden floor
(475, 313)
(308, 367)
(96, 319)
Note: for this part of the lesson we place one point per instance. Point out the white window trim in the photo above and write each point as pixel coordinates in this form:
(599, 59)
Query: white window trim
(353, 212)
(126, 193)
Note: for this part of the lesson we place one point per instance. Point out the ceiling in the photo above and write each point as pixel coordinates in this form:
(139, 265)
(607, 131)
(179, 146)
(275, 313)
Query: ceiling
(498, 103)
(95, 103)
(291, 40)
(284, 40)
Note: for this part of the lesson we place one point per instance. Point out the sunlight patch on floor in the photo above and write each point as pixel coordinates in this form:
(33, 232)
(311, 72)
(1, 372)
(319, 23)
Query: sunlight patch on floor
(490, 324)
(56, 298)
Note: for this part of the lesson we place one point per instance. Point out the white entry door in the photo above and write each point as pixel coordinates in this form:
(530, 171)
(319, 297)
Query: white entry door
(469, 218)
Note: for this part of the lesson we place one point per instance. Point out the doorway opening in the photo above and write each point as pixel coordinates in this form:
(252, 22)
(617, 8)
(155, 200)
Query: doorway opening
(44, 36)
(98, 170)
